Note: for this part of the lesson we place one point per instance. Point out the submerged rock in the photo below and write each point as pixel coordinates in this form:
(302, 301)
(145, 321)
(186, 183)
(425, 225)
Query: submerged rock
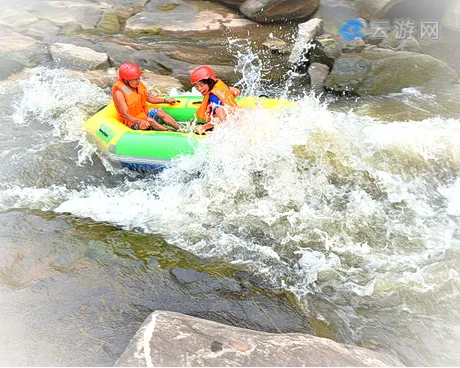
(377, 73)
(168, 339)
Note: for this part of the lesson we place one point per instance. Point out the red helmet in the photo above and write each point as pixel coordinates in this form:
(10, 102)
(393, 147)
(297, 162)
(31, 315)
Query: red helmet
(202, 72)
(129, 71)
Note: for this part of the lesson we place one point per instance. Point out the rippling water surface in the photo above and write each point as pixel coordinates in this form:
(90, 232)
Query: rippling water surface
(351, 204)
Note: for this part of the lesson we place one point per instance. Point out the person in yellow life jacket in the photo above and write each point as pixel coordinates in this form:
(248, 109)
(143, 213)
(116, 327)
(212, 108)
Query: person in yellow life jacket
(130, 97)
(216, 95)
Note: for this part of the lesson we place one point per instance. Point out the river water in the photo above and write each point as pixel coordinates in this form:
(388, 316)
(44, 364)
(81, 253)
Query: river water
(350, 204)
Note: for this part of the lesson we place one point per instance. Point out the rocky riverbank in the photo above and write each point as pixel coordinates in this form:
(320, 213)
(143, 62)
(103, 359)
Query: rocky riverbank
(170, 38)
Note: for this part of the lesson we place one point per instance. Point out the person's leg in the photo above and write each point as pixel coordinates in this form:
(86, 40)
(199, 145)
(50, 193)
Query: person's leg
(167, 119)
(153, 113)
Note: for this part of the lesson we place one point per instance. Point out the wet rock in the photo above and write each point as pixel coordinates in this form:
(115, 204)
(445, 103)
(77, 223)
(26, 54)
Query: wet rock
(410, 44)
(232, 4)
(329, 46)
(371, 9)
(277, 45)
(202, 282)
(318, 74)
(323, 50)
(9, 67)
(156, 84)
(378, 73)
(353, 46)
(29, 223)
(266, 11)
(160, 84)
(152, 59)
(370, 39)
(18, 52)
(389, 42)
(186, 276)
(108, 23)
(168, 339)
(77, 57)
(374, 48)
(43, 30)
(102, 78)
(63, 279)
(335, 13)
(80, 41)
(392, 42)
(17, 18)
(82, 14)
(186, 19)
(125, 8)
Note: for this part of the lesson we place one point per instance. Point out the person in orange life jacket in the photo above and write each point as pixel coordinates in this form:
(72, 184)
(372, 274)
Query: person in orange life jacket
(216, 95)
(130, 97)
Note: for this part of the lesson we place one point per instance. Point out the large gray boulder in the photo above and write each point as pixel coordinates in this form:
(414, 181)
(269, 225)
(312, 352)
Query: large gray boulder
(266, 11)
(371, 9)
(181, 18)
(82, 14)
(378, 73)
(17, 18)
(168, 339)
(42, 18)
(335, 13)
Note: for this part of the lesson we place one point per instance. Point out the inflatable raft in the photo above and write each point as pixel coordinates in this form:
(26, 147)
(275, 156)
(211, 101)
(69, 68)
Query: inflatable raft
(145, 150)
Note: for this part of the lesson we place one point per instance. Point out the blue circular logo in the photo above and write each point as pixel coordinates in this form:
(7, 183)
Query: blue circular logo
(351, 29)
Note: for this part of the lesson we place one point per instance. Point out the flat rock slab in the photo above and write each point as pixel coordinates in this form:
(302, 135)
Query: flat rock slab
(77, 57)
(186, 17)
(169, 339)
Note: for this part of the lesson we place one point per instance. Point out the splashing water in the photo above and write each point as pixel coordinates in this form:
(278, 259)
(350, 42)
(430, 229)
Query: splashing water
(42, 126)
(248, 65)
(58, 99)
(326, 205)
(357, 218)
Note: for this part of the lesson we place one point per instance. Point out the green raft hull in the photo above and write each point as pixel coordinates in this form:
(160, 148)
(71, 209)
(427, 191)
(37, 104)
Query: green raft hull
(138, 149)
